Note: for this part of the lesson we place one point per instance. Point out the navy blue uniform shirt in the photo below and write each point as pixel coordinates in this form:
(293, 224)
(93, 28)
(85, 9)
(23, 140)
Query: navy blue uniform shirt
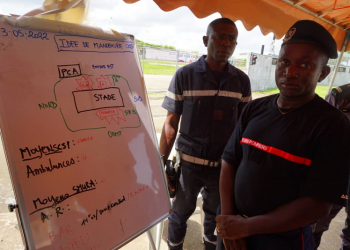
(209, 109)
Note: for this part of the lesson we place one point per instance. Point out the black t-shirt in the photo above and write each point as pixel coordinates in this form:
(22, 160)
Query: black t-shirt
(279, 158)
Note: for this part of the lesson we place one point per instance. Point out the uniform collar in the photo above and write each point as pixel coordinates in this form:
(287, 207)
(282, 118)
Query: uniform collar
(203, 67)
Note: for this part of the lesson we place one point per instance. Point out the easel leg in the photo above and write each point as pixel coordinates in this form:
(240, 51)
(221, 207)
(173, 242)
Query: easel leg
(160, 226)
(15, 208)
(151, 240)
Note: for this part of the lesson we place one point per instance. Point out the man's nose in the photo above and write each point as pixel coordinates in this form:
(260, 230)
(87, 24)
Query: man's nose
(291, 72)
(225, 42)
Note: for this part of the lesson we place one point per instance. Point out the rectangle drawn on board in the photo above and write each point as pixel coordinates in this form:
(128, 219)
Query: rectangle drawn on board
(86, 44)
(101, 99)
(72, 70)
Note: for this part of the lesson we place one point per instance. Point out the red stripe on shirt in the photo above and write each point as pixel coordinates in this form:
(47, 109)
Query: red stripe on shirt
(278, 152)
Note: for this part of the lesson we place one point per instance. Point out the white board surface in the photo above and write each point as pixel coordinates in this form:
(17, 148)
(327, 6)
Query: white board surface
(79, 139)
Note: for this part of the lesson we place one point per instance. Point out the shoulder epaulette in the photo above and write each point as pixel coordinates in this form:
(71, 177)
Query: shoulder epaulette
(341, 93)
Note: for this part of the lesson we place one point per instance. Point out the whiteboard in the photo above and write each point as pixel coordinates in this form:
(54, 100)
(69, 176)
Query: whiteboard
(79, 138)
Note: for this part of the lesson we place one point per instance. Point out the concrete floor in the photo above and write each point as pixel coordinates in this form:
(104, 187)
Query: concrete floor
(10, 238)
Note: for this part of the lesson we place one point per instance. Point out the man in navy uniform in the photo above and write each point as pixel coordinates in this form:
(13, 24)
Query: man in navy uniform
(339, 98)
(288, 160)
(208, 95)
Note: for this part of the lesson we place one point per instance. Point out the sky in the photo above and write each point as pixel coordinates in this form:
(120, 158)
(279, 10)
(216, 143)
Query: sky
(148, 23)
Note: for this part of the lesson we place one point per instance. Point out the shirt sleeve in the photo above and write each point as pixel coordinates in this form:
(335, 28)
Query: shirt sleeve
(331, 100)
(328, 177)
(246, 94)
(173, 100)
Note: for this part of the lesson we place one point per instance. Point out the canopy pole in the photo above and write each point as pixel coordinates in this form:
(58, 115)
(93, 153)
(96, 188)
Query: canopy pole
(345, 42)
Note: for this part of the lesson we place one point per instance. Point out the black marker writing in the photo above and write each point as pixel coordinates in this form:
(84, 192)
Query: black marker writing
(41, 170)
(34, 153)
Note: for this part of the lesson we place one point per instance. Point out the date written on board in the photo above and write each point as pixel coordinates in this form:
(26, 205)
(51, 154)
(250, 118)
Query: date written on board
(100, 212)
(38, 152)
(23, 33)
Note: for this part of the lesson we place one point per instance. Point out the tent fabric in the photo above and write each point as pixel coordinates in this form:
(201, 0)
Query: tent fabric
(271, 15)
(71, 11)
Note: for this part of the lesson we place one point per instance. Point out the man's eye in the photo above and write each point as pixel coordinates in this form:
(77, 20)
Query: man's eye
(283, 62)
(231, 38)
(305, 65)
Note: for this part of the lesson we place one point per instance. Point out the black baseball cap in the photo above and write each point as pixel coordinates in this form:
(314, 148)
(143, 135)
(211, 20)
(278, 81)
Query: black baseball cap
(307, 31)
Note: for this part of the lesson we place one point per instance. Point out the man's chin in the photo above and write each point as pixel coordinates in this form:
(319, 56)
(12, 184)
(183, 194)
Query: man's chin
(222, 59)
(290, 93)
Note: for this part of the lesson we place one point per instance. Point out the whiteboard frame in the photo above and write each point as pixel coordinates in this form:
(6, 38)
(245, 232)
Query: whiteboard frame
(51, 26)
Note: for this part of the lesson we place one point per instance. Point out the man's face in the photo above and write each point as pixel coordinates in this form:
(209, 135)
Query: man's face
(300, 67)
(221, 42)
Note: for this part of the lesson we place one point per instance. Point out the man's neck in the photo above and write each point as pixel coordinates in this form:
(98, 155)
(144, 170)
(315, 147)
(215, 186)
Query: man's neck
(214, 65)
(285, 102)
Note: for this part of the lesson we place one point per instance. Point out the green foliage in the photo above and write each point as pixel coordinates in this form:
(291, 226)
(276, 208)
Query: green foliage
(141, 43)
(321, 91)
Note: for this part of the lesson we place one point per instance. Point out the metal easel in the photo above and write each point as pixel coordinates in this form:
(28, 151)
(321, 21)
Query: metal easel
(14, 207)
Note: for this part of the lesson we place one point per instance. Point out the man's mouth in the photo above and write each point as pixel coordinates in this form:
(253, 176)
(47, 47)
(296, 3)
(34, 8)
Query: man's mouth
(223, 52)
(289, 84)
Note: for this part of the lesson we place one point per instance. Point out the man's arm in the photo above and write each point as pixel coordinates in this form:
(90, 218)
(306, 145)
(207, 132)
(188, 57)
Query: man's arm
(292, 215)
(168, 135)
(226, 185)
(167, 139)
(295, 214)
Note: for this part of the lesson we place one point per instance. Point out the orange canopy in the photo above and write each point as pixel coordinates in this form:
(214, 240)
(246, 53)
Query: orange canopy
(272, 15)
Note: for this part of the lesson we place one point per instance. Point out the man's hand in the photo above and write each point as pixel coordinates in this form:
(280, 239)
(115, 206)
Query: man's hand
(235, 244)
(170, 186)
(231, 227)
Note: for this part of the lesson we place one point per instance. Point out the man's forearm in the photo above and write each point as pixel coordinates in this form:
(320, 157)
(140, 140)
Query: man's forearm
(295, 214)
(168, 134)
(166, 143)
(227, 178)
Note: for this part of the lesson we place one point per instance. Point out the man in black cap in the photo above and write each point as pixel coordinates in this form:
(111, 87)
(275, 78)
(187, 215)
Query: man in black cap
(285, 164)
(339, 98)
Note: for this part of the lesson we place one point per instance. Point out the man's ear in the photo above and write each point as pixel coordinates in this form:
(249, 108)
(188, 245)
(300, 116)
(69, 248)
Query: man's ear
(325, 72)
(205, 41)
